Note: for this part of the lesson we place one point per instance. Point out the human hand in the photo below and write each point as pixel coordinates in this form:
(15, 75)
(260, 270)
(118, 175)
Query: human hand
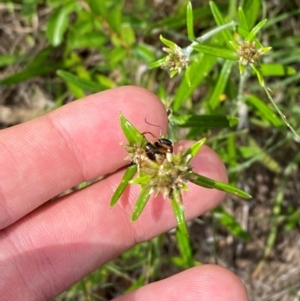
(48, 246)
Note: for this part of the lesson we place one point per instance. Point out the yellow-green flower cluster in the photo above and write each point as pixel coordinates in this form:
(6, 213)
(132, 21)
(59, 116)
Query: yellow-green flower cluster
(163, 175)
(176, 60)
(248, 53)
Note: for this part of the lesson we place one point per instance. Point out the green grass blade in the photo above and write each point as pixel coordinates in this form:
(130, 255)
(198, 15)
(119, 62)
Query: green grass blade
(84, 84)
(157, 63)
(252, 9)
(128, 175)
(210, 183)
(190, 22)
(198, 72)
(133, 136)
(10, 59)
(187, 76)
(242, 19)
(277, 70)
(226, 34)
(86, 39)
(39, 65)
(214, 100)
(264, 110)
(264, 157)
(217, 51)
(229, 222)
(178, 20)
(252, 34)
(207, 121)
(140, 204)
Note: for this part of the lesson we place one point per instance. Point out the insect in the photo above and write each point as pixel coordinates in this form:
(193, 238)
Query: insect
(159, 149)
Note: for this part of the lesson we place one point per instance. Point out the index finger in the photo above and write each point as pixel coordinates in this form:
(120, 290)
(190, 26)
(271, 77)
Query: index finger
(80, 141)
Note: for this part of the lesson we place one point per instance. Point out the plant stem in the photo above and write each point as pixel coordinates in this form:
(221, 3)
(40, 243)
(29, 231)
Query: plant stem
(281, 114)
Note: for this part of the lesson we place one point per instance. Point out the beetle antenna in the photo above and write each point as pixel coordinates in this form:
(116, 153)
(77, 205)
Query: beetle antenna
(155, 126)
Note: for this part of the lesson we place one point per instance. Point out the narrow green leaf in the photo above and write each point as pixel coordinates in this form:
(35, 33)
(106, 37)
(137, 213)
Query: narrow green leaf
(194, 149)
(210, 183)
(217, 51)
(10, 59)
(265, 158)
(263, 110)
(214, 99)
(128, 175)
(190, 22)
(178, 210)
(178, 19)
(242, 19)
(82, 83)
(187, 76)
(277, 70)
(133, 136)
(198, 71)
(281, 114)
(230, 223)
(207, 121)
(144, 52)
(59, 22)
(140, 204)
(39, 65)
(92, 39)
(244, 33)
(251, 36)
(227, 36)
(252, 9)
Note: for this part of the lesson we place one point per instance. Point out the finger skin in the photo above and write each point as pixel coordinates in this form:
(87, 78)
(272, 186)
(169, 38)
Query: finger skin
(204, 283)
(80, 141)
(61, 242)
